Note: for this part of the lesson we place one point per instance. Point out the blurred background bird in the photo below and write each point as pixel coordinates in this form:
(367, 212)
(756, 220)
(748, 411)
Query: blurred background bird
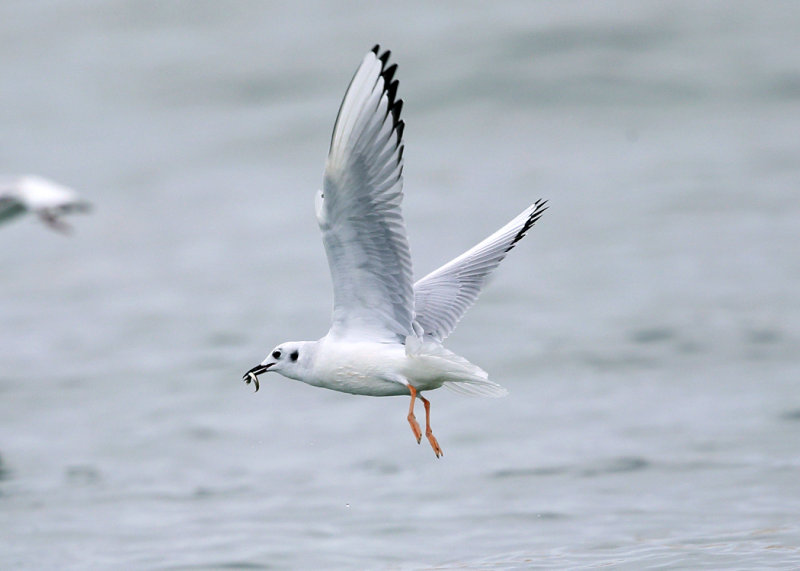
(49, 200)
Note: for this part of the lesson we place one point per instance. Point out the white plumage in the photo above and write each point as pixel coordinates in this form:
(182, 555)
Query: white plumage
(386, 333)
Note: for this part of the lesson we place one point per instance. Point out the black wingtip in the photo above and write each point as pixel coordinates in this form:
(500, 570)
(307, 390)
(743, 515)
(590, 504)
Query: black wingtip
(391, 93)
(541, 206)
(388, 73)
(399, 128)
(397, 108)
(390, 84)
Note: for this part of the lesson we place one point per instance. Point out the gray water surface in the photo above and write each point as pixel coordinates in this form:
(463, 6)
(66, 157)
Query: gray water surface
(648, 328)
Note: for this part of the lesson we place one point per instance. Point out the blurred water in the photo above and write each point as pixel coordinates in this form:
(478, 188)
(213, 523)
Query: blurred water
(648, 329)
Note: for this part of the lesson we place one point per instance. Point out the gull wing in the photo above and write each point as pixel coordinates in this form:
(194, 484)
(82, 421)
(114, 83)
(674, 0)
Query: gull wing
(358, 210)
(442, 297)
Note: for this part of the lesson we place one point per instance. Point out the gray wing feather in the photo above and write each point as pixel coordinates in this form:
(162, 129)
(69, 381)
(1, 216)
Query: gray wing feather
(442, 297)
(359, 210)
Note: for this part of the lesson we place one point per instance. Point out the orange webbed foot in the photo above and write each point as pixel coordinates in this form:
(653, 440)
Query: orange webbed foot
(434, 443)
(415, 427)
(428, 432)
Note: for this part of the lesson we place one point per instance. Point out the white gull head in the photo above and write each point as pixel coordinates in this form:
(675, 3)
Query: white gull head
(292, 359)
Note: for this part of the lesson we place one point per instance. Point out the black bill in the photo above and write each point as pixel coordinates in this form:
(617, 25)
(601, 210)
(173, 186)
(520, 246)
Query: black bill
(251, 376)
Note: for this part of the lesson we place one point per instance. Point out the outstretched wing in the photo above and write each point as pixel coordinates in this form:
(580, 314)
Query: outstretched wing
(442, 297)
(359, 210)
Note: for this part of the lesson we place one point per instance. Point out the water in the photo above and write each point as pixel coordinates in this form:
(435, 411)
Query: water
(648, 328)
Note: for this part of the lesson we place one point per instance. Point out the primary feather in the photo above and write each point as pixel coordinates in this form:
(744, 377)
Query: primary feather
(359, 210)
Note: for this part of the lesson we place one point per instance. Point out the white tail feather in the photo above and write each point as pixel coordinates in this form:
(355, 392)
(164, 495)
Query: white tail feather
(461, 375)
(484, 388)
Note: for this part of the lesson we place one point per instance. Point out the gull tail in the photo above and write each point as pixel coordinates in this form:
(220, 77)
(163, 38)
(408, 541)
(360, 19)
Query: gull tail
(459, 375)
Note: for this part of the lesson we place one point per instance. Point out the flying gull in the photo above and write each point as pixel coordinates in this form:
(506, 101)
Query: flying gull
(47, 199)
(387, 332)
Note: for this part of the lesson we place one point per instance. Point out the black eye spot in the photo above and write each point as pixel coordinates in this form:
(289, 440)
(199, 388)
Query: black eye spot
(294, 355)
(276, 354)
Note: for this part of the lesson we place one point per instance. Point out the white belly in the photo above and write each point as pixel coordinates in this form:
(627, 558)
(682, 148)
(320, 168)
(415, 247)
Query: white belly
(373, 369)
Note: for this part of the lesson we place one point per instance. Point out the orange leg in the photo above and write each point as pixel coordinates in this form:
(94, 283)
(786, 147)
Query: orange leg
(428, 432)
(412, 420)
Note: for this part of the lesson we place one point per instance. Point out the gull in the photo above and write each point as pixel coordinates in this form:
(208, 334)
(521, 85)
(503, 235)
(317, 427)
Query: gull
(387, 332)
(49, 200)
